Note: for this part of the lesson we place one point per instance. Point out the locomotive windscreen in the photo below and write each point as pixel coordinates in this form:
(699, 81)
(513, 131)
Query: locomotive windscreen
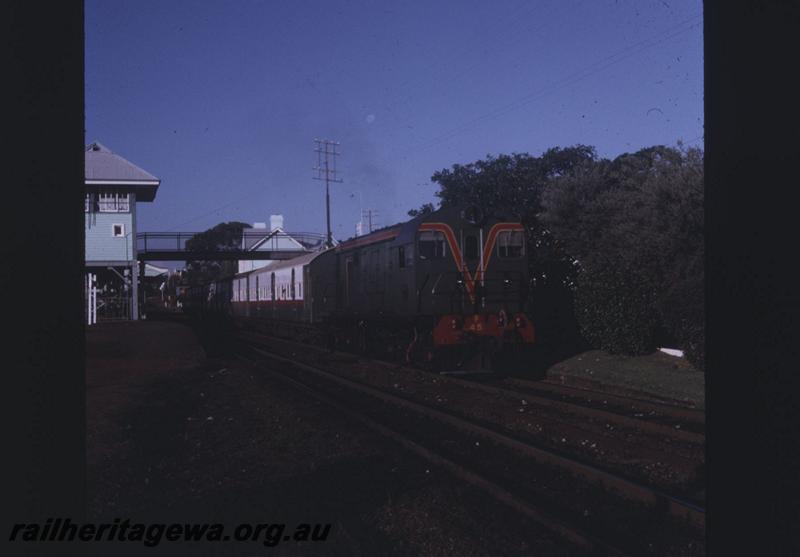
(431, 245)
(510, 243)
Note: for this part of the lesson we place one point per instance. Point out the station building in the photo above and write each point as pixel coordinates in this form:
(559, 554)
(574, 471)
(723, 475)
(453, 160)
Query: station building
(259, 238)
(113, 187)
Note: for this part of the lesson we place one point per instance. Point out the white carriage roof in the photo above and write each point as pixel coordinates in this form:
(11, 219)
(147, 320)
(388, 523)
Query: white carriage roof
(286, 263)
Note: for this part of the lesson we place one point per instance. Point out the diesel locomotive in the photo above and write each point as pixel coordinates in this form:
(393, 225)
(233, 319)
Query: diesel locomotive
(449, 288)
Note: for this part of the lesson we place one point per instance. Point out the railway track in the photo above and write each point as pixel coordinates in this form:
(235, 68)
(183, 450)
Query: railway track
(679, 418)
(650, 417)
(652, 453)
(564, 530)
(512, 470)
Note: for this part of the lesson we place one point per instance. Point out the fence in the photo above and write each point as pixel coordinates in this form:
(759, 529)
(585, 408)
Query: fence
(90, 292)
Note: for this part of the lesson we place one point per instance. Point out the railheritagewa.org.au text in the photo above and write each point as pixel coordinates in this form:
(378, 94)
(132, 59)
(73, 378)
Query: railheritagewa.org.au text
(151, 535)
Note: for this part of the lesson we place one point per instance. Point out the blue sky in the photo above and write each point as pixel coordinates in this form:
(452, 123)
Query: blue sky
(223, 100)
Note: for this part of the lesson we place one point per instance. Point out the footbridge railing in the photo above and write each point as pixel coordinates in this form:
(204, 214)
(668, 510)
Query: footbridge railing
(253, 245)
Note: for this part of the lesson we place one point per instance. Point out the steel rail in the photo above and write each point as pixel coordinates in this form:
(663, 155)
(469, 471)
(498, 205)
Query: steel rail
(526, 391)
(586, 541)
(676, 507)
(645, 425)
(645, 447)
(676, 411)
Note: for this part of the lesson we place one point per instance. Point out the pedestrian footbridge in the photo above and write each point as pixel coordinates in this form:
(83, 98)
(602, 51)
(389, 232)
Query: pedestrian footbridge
(256, 245)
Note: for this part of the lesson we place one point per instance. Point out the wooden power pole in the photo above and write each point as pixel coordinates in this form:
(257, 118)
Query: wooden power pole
(326, 170)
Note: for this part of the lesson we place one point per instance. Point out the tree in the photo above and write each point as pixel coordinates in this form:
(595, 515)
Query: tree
(425, 209)
(635, 226)
(615, 307)
(508, 184)
(225, 236)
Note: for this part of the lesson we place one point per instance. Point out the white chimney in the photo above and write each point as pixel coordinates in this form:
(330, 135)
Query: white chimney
(275, 221)
(260, 225)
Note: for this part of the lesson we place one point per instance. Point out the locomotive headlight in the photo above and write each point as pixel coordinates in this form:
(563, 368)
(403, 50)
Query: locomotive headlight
(519, 321)
(455, 324)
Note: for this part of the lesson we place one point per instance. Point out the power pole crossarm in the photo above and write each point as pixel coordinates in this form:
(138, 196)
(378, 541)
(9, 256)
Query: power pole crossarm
(371, 216)
(324, 150)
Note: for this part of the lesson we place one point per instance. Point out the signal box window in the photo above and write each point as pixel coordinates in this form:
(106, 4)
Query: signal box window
(510, 244)
(113, 202)
(431, 245)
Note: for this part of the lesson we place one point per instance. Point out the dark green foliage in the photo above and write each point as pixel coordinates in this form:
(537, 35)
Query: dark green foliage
(425, 209)
(553, 274)
(508, 184)
(683, 309)
(641, 213)
(616, 309)
(224, 236)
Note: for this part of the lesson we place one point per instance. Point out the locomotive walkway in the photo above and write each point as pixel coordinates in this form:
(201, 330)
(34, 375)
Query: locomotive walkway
(256, 245)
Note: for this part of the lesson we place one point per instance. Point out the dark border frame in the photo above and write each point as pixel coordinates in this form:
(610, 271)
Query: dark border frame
(752, 145)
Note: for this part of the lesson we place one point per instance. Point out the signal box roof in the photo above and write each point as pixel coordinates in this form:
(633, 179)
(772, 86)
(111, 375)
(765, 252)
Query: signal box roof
(104, 168)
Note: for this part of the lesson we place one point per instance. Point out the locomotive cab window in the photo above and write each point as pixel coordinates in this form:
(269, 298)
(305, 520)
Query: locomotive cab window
(431, 245)
(510, 243)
